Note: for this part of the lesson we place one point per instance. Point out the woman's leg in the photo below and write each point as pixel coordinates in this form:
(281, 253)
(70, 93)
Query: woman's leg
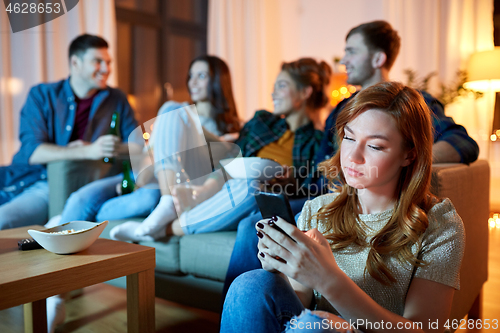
(86, 202)
(244, 255)
(318, 322)
(177, 133)
(259, 301)
(224, 210)
(153, 227)
(179, 144)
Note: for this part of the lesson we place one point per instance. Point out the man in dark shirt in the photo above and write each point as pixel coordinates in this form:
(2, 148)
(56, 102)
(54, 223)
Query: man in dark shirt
(64, 120)
(371, 50)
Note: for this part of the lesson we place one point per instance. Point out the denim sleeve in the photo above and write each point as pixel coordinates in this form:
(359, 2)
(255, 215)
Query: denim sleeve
(317, 183)
(327, 146)
(445, 129)
(33, 126)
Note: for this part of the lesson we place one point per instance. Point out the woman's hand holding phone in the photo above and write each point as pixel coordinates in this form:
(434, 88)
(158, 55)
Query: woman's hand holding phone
(262, 244)
(305, 257)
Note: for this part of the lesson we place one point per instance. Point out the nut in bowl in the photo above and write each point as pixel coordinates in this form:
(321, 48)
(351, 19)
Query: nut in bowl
(258, 168)
(70, 237)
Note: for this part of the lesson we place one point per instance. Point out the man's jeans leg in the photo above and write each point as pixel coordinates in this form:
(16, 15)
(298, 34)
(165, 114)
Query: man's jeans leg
(6, 197)
(139, 203)
(83, 205)
(30, 207)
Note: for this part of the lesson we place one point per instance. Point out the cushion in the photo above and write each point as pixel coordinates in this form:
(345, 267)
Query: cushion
(207, 255)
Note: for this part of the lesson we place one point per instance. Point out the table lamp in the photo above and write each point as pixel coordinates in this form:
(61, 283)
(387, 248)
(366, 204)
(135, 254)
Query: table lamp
(483, 73)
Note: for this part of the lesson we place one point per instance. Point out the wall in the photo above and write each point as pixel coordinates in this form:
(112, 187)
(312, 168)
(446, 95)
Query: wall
(437, 36)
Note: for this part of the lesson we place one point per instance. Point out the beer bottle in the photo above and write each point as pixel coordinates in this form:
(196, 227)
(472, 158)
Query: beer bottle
(114, 129)
(128, 183)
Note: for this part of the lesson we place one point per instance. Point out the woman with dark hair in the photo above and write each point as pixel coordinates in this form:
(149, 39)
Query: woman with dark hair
(219, 91)
(287, 136)
(380, 251)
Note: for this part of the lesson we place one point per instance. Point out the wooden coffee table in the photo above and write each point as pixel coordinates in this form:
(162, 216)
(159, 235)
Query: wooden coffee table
(29, 277)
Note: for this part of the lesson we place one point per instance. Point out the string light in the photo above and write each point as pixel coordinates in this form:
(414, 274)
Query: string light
(146, 136)
(494, 222)
(341, 93)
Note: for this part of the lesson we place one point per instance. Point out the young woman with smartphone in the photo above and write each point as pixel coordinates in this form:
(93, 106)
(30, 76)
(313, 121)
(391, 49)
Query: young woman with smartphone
(380, 250)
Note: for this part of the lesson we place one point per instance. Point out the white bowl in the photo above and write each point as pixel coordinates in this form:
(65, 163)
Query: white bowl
(262, 169)
(85, 235)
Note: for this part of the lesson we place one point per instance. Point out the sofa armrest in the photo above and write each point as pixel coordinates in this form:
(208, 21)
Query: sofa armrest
(468, 188)
(65, 177)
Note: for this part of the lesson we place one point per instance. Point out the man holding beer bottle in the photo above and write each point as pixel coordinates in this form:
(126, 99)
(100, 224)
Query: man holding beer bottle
(65, 120)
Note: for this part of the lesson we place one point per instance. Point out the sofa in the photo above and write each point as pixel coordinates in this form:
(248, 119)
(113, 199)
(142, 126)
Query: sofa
(191, 269)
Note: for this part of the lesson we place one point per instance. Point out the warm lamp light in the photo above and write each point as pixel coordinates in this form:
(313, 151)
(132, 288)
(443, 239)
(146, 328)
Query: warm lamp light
(483, 74)
(483, 71)
(132, 100)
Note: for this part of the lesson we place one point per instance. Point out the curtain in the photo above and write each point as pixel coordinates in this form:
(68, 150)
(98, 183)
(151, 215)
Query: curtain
(40, 54)
(254, 37)
(451, 32)
(246, 35)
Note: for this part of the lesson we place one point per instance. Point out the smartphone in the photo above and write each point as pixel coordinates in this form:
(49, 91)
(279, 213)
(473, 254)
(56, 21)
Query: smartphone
(275, 204)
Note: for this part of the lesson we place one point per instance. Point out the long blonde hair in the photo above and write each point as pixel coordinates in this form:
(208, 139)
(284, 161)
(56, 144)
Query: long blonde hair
(409, 220)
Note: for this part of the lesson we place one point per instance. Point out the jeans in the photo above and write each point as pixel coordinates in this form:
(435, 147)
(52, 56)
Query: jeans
(6, 196)
(244, 256)
(98, 201)
(260, 301)
(223, 211)
(27, 208)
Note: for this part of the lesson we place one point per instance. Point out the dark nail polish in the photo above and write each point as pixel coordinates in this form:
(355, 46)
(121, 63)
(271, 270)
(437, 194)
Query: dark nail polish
(274, 218)
(260, 225)
(262, 255)
(259, 234)
(271, 223)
